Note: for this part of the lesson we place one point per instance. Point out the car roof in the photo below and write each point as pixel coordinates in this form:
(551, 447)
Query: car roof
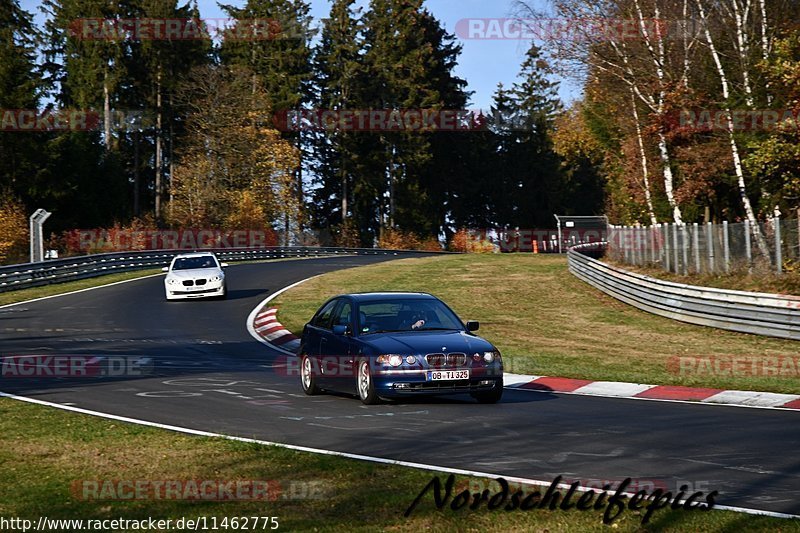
(375, 296)
(195, 254)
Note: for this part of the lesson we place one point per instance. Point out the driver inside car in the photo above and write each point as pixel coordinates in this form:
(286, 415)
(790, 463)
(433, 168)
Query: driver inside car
(420, 318)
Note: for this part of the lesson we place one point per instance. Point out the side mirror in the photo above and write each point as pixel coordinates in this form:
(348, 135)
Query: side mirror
(341, 330)
(224, 265)
(165, 269)
(473, 325)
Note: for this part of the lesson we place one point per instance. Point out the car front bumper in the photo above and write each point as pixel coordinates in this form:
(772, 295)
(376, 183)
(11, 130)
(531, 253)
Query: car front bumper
(410, 382)
(175, 292)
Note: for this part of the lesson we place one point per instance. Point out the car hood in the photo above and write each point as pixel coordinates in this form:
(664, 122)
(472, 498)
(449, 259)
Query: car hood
(195, 273)
(425, 342)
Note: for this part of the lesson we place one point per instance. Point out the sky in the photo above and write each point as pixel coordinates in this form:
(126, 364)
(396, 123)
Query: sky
(483, 63)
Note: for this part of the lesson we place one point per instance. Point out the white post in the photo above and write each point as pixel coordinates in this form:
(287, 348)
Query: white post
(627, 243)
(675, 247)
(710, 241)
(665, 244)
(696, 244)
(778, 251)
(726, 244)
(653, 230)
(748, 250)
(559, 234)
(685, 233)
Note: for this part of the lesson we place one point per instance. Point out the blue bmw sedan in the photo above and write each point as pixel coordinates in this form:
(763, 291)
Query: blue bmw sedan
(389, 345)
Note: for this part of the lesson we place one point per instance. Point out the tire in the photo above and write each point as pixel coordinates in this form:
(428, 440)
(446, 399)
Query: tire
(492, 396)
(307, 377)
(365, 385)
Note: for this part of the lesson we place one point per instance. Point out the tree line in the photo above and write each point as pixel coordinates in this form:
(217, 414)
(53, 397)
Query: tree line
(694, 118)
(185, 131)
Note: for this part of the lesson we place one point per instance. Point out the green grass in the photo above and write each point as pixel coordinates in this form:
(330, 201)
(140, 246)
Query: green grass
(547, 322)
(43, 451)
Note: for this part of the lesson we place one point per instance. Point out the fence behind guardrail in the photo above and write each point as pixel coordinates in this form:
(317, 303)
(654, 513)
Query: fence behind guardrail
(709, 248)
(774, 315)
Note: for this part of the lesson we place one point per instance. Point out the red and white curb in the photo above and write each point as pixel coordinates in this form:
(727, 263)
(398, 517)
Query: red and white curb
(273, 333)
(267, 327)
(638, 391)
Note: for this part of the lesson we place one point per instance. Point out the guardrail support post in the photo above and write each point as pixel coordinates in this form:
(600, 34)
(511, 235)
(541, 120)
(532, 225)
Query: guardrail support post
(696, 245)
(37, 239)
(726, 243)
(778, 251)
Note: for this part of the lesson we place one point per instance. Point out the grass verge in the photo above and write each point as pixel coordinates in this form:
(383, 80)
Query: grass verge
(547, 322)
(45, 452)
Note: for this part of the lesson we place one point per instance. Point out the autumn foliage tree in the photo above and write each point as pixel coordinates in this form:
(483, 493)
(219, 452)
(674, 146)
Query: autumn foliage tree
(13, 229)
(234, 168)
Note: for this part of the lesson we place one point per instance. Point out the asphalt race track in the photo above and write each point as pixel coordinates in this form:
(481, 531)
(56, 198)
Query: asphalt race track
(210, 374)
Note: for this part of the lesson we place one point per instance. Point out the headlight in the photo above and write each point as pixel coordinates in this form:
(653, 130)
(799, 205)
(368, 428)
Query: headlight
(391, 360)
(172, 281)
(217, 278)
(491, 357)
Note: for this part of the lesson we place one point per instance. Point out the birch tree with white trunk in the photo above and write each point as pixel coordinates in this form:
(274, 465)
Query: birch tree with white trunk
(735, 152)
(648, 64)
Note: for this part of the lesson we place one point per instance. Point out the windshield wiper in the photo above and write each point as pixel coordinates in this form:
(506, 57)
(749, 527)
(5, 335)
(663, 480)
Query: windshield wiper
(434, 329)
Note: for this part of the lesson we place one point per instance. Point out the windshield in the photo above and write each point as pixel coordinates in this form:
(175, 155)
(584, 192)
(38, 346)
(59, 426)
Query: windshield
(406, 315)
(190, 263)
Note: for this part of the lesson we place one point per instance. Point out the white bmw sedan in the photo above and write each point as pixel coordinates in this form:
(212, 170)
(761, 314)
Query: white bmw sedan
(196, 275)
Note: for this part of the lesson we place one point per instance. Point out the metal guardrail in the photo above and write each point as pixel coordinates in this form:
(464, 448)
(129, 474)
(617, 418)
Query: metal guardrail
(13, 277)
(774, 315)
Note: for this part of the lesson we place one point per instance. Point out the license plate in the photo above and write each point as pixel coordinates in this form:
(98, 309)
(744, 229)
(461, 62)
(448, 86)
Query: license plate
(445, 375)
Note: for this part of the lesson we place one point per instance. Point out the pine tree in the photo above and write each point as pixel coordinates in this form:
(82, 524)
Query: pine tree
(19, 89)
(279, 58)
(86, 68)
(503, 122)
(409, 59)
(86, 74)
(155, 67)
(539, 183)
(451, 164)
(338, 81)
